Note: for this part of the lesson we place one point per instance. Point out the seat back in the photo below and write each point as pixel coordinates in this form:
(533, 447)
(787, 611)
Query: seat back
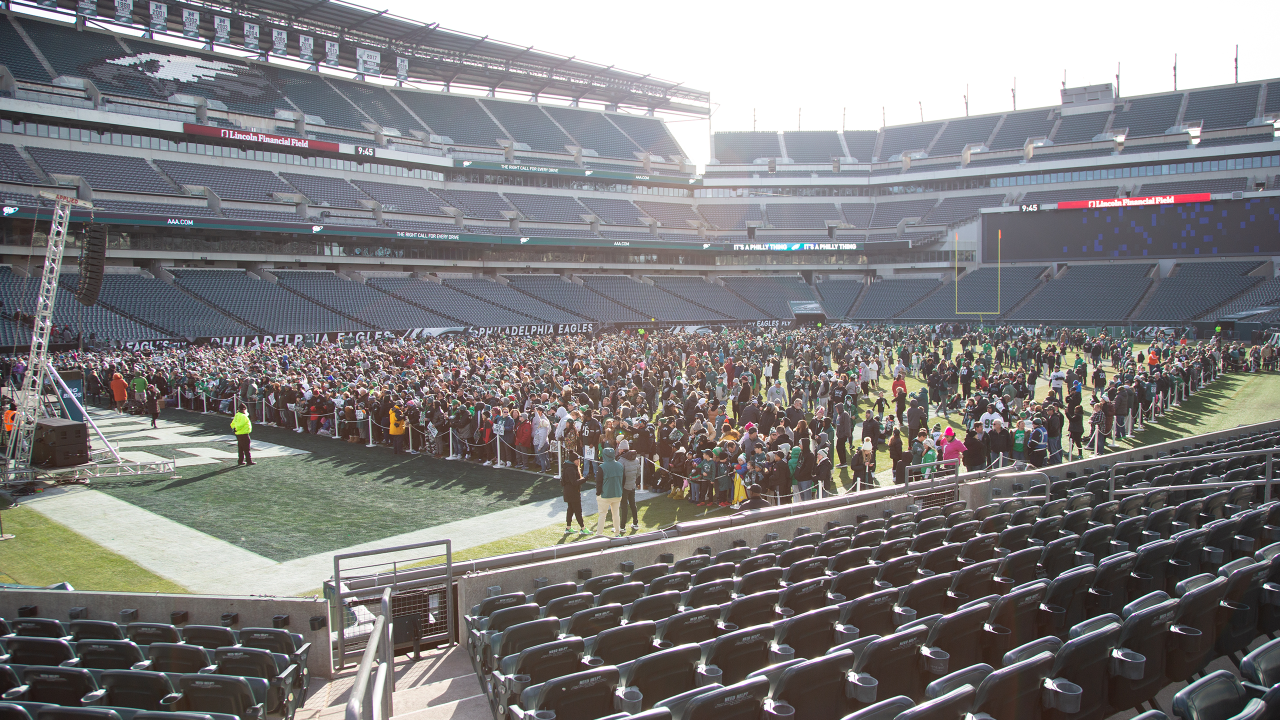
(1086, 661)
(95, 630)
(76, 713)
(583, 695)
(664, 674)
(37, 627)
(598, 583)
(741, 701)
(217, 693)
(810, 634)
(1262, 666)
(756, 562)
(1145, 632)
(549, 660)
(565, 606)
(894, 661)
(648, 573)
(759, 580)
(718, 571)
(1198, 609)
(942, 559)
(108, 654)
(953, 705)
(1097, 540)
(1216, 696)
(1244, 596)
(276, 640)
(889, 709)
(851, 558)
(245, 662)
(805, 596)
(502, 619)
(57, 685)
(795, 554)
(980, 548)
(855, 582)
(147, 633)
(622, 644)
(1015, 691)
(901, 570)
(138, 689)
(754, 609)
(1112, 582)
(177, 658)
(974, 580)
(926, 541)
(718, 592)
(654, 607)
(872, 613)
(1070, 591)
(691, 626)
(13, 711)
(1059, 556)
(525, 635)
(678, 581)
(928, 595)
(209, 637)
(691, 564)
(489, 605)
(741, 652)
(816, 688)
(544, 595)
(38, 651)
(623, 594)
(1020, 566)
(1019, 611)
(890, 549)
(802, 570)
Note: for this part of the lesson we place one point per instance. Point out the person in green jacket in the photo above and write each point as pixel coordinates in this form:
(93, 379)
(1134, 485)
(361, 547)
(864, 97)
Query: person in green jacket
(609, 492)
(241, 425)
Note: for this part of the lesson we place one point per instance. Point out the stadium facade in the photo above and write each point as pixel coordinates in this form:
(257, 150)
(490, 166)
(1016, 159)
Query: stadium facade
(262, 174)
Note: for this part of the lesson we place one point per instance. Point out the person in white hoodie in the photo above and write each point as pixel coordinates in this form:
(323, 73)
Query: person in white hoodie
(541, 438)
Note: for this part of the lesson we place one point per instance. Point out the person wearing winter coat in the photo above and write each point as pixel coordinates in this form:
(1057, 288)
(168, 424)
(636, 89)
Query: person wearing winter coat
(844, 432)
(975, 451)
(630, 476)
(119, 391)
(541, 438)
(822, 473)
(571, 485)
(999, 443)
(804, 473)
(609, 491)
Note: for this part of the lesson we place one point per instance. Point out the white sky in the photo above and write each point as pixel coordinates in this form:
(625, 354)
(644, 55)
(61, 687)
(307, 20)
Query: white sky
(825, 57)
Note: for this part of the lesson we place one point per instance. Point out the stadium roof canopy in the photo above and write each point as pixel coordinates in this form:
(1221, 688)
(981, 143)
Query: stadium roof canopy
(435, 54)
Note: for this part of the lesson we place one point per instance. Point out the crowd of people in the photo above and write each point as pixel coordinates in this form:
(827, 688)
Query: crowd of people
(709, 418)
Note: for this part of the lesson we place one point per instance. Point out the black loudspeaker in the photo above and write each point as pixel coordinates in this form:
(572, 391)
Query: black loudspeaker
(93, 256)
(60, 443)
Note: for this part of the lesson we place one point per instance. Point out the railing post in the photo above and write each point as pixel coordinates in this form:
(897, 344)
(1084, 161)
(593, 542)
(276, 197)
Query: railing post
(370, 431)
(335, 424)
(1266, 493)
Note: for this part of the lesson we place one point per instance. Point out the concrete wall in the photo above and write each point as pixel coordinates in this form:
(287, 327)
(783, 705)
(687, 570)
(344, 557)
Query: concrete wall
(201, 609)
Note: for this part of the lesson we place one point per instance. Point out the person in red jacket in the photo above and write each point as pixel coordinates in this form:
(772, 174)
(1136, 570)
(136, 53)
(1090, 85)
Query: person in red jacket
(524, 441)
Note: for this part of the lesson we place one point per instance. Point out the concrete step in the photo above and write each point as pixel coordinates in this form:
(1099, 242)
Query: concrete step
(440, 685)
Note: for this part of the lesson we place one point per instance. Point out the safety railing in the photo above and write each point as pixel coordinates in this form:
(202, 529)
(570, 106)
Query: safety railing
(1266, 482)
(371, 693)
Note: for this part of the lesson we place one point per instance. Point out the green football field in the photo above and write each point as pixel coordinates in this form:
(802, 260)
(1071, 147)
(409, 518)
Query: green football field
(335, 496)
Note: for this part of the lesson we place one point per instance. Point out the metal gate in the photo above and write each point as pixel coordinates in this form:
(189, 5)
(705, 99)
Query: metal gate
(420, 578)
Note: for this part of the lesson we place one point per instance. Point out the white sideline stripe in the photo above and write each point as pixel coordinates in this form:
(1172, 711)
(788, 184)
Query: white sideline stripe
(202, 563)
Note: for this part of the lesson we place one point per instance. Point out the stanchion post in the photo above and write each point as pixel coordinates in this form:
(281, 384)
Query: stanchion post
(559, 458)
(335, 423)
(497, 444)
(205, 399)
(370, 430)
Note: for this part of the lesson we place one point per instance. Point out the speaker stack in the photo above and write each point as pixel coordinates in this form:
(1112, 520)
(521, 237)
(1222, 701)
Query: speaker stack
(60, 443)
(93, 257)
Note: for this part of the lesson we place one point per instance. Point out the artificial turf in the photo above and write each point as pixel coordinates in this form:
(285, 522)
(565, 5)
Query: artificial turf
(43, 552)
(336, 496)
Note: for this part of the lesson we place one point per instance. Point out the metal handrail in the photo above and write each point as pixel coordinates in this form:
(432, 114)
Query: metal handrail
(378, 706)
(950, 478)
(1265, 482)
